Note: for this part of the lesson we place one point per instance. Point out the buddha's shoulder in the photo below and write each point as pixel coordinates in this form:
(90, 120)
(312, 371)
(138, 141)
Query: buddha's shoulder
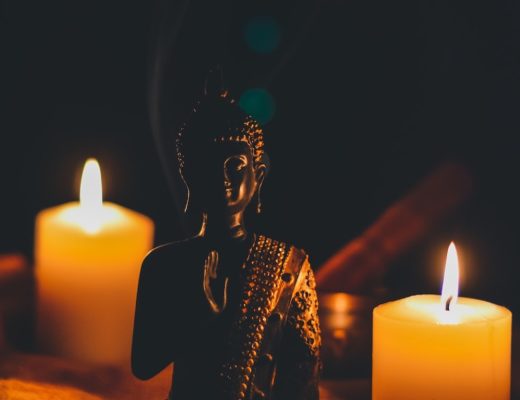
(174, 255)
(268, 243)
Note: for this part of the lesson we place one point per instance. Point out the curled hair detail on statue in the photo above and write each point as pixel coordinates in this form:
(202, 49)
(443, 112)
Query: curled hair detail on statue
(217, 118)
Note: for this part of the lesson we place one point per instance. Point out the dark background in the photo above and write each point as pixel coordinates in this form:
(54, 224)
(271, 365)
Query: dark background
(370, 97)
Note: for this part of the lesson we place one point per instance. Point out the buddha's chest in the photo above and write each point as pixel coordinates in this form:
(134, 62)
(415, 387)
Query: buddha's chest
(246, 308)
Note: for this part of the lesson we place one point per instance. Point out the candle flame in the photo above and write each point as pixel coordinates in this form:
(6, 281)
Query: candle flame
(91, 191)
(91, 196)
(450, 285)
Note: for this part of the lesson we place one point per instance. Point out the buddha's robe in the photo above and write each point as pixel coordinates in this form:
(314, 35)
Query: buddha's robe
(251, 332)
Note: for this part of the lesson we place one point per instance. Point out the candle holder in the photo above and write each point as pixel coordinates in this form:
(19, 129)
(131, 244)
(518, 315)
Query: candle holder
(16, 303)
(346, 325)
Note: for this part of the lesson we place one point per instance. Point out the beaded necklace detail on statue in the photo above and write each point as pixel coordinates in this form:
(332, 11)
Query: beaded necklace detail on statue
(262, 278)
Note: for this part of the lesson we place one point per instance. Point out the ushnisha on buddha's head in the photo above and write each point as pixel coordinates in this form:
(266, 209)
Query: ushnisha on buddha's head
(221, 158)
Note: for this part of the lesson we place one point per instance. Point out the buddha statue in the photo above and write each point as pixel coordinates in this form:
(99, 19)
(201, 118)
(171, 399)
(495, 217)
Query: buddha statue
(235, 311)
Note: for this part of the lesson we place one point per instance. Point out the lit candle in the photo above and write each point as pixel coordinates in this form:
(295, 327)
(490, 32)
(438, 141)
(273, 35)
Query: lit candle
(88, 256)
(441, 347)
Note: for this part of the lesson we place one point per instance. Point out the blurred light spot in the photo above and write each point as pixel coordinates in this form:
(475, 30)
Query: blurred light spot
(259, 104)
(262, 34)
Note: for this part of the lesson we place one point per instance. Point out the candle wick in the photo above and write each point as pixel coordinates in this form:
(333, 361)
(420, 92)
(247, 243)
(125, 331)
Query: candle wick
(448, 302)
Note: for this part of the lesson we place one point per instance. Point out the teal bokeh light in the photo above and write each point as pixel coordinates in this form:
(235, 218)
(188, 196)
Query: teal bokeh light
(262, 34)
(259, 104)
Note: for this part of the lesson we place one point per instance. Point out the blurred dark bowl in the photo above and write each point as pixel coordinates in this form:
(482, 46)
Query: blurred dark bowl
(346, 329)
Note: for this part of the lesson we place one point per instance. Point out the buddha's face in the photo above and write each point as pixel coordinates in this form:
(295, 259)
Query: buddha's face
(223, 178)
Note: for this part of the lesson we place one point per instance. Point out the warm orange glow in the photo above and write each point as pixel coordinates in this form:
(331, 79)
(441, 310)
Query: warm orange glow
(88, 257)
(452, 348)
(450, 285)
(462, 354)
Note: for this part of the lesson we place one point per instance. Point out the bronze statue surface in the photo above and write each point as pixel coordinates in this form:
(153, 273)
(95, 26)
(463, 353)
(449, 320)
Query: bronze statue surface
(236, 312)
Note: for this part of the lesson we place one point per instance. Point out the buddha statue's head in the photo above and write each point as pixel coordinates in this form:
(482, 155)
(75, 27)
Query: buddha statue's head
(222, 161)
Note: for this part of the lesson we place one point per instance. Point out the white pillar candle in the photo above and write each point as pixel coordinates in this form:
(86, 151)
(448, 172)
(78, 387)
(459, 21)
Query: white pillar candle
(441, 347)
(88, 257)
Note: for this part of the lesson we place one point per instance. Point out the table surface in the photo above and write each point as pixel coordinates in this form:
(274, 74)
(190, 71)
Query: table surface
(22, 373)
(345, 390)
(62, 380)
(40, 377)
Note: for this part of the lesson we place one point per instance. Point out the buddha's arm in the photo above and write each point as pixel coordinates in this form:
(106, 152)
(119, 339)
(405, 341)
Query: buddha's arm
(299, 361)
(154, 335)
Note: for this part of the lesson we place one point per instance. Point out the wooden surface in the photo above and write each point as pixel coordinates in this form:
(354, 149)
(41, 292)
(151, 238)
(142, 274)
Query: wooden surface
(56, 379)
(40, 377)
(103, 382)
(45, 378)
(345, 390)
(15, 389)
(22, 376)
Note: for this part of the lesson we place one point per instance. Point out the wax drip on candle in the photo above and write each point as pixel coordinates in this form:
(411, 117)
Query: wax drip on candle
(450, 285)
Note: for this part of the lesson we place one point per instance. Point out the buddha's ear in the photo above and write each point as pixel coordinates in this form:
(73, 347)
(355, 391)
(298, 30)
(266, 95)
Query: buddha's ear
(262, 169)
